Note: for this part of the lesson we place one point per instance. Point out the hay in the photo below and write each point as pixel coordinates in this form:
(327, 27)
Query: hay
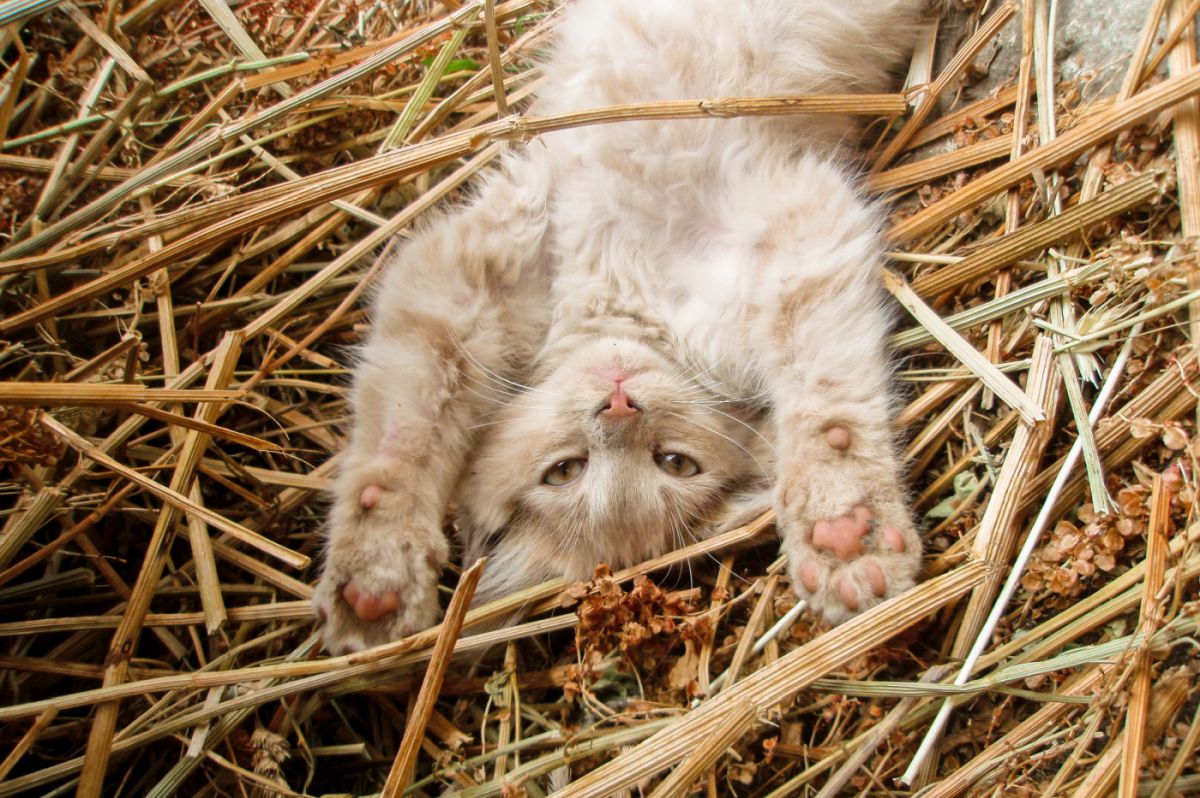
(196, 198)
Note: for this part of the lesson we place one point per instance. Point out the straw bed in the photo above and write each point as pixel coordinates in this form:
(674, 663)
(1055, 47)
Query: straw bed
(198, 196)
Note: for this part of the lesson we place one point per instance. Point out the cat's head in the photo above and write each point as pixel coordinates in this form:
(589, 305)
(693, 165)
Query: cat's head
(617, 454)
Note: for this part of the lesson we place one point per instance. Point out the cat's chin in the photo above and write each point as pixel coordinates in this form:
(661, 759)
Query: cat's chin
(597, 359)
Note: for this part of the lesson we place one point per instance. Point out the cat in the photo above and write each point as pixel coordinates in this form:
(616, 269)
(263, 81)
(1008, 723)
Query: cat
(638, 334)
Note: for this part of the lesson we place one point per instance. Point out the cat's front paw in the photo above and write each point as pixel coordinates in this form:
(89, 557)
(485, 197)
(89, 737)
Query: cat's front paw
(381, 573)
(850, 544)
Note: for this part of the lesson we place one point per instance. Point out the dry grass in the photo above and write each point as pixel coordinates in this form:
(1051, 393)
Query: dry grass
(195, 200)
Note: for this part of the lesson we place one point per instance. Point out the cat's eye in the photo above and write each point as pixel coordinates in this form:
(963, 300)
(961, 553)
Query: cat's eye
(564, 472)
(677, 465)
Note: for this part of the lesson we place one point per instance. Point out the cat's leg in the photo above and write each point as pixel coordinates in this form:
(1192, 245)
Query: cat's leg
(453, 316)
(841, 506)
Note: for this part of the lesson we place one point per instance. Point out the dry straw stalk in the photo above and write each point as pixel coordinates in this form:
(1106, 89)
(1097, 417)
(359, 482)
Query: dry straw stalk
(414, 732)
(189, 240)
(778, 682)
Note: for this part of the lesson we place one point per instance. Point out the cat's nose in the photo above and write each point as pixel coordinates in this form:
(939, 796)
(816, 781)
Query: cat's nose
(619, 407)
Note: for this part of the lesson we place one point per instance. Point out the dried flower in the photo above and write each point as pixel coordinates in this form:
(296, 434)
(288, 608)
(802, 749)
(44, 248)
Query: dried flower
(645, 623)
(270, 752)
(23, 441)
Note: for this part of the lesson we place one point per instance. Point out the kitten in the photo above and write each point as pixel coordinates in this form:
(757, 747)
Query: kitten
(639, 333)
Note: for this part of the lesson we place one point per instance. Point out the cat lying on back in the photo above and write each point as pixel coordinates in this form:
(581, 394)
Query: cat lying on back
(640, 333)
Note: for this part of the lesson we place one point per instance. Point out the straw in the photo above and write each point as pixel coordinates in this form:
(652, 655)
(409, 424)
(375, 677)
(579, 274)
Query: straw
(200, 200)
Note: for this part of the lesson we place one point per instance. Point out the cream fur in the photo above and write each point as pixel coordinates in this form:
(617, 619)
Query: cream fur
(730, 265)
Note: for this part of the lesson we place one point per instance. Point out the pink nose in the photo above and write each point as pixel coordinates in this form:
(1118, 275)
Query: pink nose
(618, 406)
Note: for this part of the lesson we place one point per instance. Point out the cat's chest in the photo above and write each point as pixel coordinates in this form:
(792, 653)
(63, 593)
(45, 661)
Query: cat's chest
(710, 287)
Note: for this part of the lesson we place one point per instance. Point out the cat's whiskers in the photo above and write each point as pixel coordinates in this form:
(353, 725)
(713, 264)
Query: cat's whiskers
(491, 386)
(711, 389)
(736, 420)
(574, 534)
(697, 392)
(687, 358)
(717, 397)
(714, 401)
(702, 376)
(492, 423)
(500, 378)
(516, 401)
(681, 530)
(504, 396)
(719, 434)
(496, 400)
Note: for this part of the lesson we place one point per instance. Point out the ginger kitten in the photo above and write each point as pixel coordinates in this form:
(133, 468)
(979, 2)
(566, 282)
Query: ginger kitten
(639, 333)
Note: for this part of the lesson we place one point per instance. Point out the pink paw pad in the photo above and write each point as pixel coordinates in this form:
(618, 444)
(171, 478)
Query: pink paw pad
(847, 594)
(810, 576)
(369, 607)
(894, 539)
(370, 496)
(844, 535)
(876, 579)
(838, 437)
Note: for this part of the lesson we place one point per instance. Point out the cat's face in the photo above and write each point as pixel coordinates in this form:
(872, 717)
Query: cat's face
(614, 456)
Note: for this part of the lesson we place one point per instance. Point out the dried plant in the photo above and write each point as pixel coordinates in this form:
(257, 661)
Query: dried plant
(194, 199)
